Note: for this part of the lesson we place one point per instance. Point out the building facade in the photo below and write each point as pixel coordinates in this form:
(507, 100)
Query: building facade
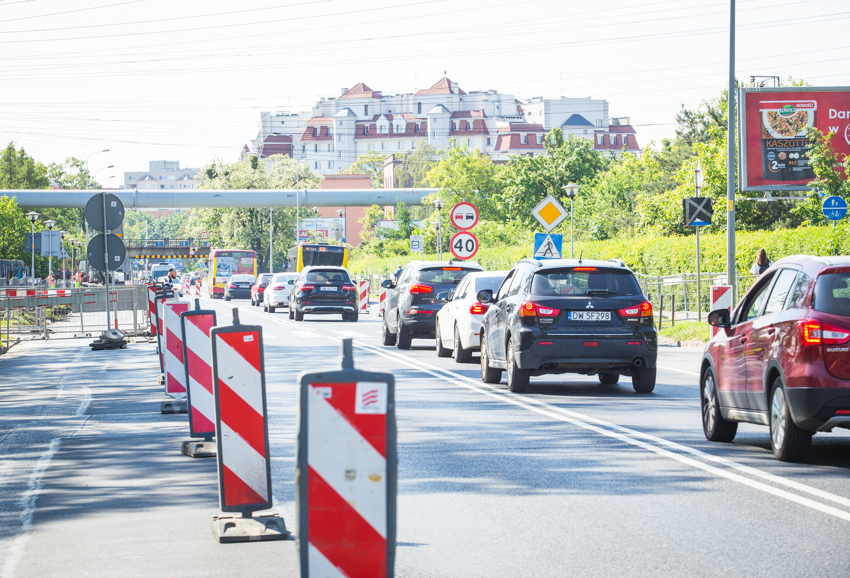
(161, 175)
(332, 135)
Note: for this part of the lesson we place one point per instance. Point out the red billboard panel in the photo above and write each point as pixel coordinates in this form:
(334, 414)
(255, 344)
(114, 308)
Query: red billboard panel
(774, 124)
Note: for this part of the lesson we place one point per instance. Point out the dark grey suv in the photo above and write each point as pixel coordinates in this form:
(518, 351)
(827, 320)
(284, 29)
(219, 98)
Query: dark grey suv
(410, 310)
(568, 316)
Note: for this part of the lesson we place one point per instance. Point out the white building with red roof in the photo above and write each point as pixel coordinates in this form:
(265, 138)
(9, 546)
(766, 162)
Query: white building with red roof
(332, 135)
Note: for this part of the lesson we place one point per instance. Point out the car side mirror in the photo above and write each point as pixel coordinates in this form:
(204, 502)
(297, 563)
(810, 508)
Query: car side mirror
(451, 295)
(291, 282)
(719, 318)
(442, 296)
(387, 284)
(485, 296)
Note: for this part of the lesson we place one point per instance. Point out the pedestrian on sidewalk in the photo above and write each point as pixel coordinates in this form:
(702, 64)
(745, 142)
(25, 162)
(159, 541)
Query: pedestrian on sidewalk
(397, 273)
(762, 263)
(169, 279)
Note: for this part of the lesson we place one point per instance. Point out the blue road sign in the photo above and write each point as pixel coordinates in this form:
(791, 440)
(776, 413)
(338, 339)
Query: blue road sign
(548, 246)
(834, 208)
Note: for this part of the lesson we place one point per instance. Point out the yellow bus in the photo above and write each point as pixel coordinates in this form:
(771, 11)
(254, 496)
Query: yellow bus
(224, 263)
(306, 255)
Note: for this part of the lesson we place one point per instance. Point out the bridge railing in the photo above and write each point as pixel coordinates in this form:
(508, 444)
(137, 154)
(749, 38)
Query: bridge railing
(165, 243)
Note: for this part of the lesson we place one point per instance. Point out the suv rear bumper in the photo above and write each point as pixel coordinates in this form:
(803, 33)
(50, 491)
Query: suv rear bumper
(544, 353)
(421, 326)
(813, 408)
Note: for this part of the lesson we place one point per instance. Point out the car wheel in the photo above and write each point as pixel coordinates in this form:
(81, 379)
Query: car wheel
(353, 317)
(226, 297)
(402, 338)
(488, 374)
(291, 313)
(789, 442)
(441, 351)
(270, 309)
(299, 315)
(252, 302)
(643, 380)
(387, 338)
(461, 355)
(609, 378)
(518, 378)
(715, 427)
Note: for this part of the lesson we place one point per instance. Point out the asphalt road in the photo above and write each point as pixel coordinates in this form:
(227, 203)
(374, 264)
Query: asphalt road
(573, 478)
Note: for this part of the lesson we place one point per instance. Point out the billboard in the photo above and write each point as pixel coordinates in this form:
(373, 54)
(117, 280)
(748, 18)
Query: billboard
(773, 124)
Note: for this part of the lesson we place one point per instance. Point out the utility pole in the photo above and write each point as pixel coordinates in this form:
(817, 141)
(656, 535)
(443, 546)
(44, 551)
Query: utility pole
(731, 185)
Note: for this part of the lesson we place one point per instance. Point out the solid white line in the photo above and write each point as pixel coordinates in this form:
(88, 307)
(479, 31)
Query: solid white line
(629, 436)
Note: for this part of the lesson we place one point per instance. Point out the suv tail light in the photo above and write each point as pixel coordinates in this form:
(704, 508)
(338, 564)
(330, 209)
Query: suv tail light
(348, 288)
(307, 287)
(833, 335)
(531, 309)
(278, 287)
(478, 308)
(417, 289)
(811, 332)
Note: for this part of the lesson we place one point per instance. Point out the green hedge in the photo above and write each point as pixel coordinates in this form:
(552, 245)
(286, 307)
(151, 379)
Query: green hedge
(657, 255)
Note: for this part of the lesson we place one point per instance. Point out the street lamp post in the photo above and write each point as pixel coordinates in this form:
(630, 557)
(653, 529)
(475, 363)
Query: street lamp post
(79, 258)
(342, 215)
(571, 190)
(439, 204)
(33, 217)
(50, 224)
(62, 250)
(88, 173)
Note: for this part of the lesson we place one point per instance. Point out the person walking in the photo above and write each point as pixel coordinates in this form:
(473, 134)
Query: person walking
(397, 273)
(169, 279)
(762, 263)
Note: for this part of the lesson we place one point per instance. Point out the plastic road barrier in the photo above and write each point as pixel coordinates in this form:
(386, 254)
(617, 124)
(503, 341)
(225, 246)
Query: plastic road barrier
(197, 354)
(363, 292)
(346, 472)
(721, 298)
(175, 372)
(152, 289)
(161, 296)
(382, 299)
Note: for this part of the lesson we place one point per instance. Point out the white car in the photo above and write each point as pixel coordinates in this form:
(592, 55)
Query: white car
(459, 321)
(277, 291)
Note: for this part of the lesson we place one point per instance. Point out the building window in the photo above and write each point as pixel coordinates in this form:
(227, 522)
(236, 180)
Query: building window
(303, 148)
(383, 146)
(599, 139)
(399, 145)
(488, 141)
(540, 139)
(433, 134)
(523, 139)
(469, 125)
(341, 137)
(161, 186)
(170, 186)
(132, 178)
(598, 123)
(625, 139)
(315, 148)
(418, 126)
(419, 108)
(315, 131)
(330, 164)
(160, 178)
(366, 109)
(340, 123)
(613, 139)
(366, 129)
(456, 125)
(316, 164)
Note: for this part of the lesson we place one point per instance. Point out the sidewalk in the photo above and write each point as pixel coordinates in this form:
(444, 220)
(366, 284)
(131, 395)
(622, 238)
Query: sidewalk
(92, 481)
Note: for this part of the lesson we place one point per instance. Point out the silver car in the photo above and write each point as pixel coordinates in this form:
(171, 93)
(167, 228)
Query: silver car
(277, 292)
(459, 321)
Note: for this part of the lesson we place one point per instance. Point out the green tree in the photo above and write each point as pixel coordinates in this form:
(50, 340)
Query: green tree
(12, 232)
(831, 176)
(72, 174)
(370, 163)
(417, 165)
(20, 171)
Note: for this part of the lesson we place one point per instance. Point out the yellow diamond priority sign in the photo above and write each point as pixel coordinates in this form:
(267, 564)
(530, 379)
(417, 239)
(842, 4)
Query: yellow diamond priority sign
(549, 213)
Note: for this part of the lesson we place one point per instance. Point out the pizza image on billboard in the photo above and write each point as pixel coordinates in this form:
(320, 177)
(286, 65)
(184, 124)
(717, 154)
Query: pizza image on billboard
(774, 124)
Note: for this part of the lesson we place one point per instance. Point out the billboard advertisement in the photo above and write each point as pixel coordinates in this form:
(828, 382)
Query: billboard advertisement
(773, 124)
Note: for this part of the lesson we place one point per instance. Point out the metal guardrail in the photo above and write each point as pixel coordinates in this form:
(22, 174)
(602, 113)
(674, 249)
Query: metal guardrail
(165, 243)
(46, 313)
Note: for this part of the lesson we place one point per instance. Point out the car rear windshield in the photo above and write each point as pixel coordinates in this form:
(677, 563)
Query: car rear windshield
(590, 281)
(491, 283)
(242, 278)
(285, 277)
(832, 294)
(443, 275)
(327, 276)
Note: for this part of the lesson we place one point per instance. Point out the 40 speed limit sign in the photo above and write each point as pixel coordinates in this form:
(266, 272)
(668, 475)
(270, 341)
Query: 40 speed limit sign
(464, 245)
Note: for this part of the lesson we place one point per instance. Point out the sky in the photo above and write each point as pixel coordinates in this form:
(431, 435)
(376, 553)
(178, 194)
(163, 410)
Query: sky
(186, 80)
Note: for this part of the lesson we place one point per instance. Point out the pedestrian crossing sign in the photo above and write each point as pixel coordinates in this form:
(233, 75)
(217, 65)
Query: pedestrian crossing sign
(547, 246)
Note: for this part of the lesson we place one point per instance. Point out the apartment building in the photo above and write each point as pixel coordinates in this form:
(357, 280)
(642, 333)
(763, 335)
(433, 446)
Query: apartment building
(161, 175)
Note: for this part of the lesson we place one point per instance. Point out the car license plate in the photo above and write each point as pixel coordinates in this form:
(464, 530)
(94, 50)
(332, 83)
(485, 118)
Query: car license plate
(327, 288)
(589, 316)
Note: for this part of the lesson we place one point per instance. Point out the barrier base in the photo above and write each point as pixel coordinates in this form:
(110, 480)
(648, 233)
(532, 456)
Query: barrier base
(196, 449)
(100, 345)
(229, 529)
(160, 379)
(174, 406)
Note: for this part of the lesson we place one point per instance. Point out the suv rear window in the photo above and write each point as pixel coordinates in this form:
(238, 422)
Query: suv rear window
(443, 275)
(572, 282)
(832, 294)
(327, 276)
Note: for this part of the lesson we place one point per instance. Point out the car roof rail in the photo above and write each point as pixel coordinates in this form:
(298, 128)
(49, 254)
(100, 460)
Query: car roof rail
(535, 262)
(618, 262)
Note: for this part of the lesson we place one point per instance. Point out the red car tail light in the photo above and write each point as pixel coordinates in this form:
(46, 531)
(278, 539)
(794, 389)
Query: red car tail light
(642, 310)
(811, 332)
(231, 286)
(418, 289)
(278, 287)
(348, 288)
(531, 309)
(478, 308)
(307, 287)
(834, 335)
(646, 309)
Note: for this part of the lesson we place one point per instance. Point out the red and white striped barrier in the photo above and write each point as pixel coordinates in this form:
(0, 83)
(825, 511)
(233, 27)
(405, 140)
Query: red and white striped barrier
(197, 354)
(363, 293)
(185, 285)
(347, 472)
(382, 299)
(152, 309)
(721, 298)
(240, 418)
(175, 372)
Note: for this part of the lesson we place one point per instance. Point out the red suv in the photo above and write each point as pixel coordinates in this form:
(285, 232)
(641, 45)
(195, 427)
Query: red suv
(258, 289)
(782, 357)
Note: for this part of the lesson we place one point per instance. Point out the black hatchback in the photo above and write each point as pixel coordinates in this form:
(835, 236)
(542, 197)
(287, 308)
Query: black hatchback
(568, 316)
(411, 306)
(323, 290)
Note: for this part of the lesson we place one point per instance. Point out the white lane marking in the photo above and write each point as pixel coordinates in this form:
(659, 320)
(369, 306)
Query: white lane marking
(628, 436)
(581, 420)
(678, 370)
(350, 333)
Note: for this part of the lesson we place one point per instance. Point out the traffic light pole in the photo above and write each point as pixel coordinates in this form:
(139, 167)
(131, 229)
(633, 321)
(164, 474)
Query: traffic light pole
(731, 186)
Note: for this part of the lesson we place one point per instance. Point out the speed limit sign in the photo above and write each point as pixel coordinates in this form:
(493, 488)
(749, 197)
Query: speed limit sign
(464, 245)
